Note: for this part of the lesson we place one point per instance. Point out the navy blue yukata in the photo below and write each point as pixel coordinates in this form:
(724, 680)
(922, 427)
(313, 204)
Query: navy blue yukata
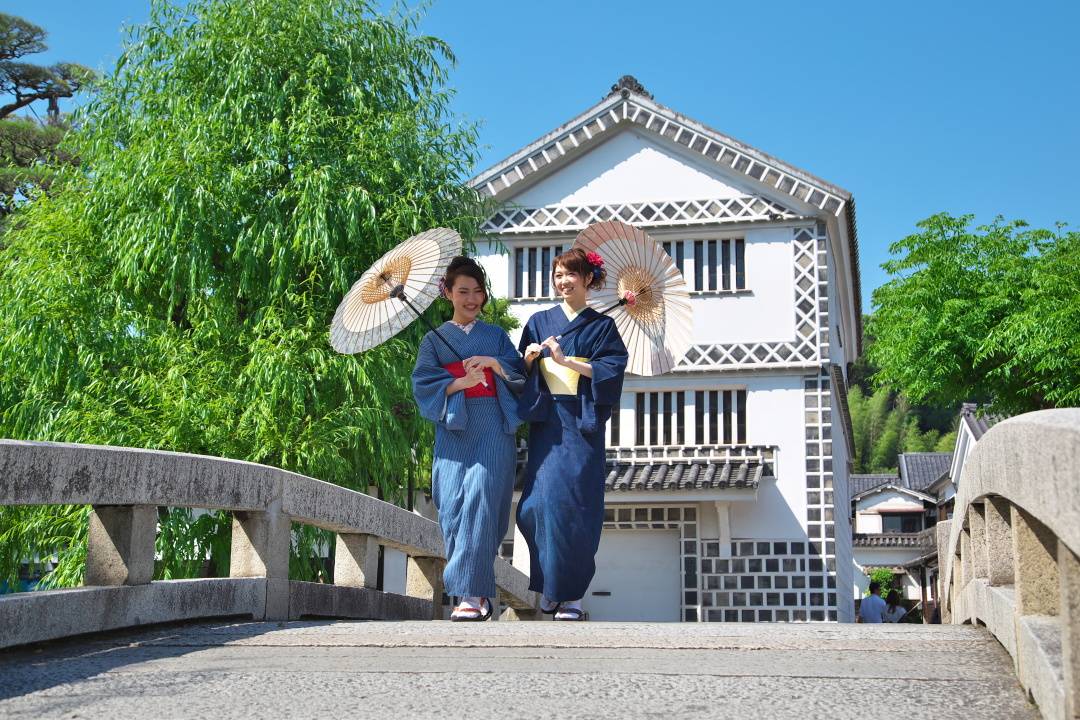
(472, 474)
(561, 512)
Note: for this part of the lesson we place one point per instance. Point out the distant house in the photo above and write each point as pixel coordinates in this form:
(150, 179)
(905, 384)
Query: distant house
(892, 520)
(972, 427)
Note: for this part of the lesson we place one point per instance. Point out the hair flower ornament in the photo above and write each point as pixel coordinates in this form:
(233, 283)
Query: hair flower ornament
(595, 260)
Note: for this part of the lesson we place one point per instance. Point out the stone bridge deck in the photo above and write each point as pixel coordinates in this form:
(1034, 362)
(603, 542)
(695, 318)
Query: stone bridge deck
(537, 670)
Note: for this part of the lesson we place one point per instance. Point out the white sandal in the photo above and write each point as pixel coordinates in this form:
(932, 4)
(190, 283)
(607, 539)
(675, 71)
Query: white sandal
(467, 612)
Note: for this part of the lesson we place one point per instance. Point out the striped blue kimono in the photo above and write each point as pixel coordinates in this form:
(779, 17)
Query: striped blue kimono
(472, 475)
(561, 511)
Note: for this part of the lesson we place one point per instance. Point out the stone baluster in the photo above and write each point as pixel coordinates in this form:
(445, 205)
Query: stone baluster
(120, 545)
(356, 561)
(260, 548)
(423, 579)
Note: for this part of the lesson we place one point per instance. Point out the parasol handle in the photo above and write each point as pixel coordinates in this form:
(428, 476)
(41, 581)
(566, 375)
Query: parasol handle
(605, 311)
(399, 293)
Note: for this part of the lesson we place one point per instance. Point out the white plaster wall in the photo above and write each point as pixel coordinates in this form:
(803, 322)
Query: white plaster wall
(837, 339)
(868, 522)
(496, 263)
(841, 513)
(630, 167)
(775, 417)
(888, 501)
(767, 311)
(965, 443)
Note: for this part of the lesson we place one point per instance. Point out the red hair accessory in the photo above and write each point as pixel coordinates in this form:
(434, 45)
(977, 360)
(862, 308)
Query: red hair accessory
(595, 260)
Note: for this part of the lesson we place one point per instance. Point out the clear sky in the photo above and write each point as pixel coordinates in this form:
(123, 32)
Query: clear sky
(916, 107)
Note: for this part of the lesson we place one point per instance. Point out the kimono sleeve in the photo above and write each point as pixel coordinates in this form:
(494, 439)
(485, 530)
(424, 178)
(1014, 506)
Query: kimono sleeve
(528, 337)
(512, 364)
(429, 381)
(534, 402)
(608, 362)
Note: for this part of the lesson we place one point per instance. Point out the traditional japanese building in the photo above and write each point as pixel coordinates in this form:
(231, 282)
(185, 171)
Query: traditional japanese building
(727, 486)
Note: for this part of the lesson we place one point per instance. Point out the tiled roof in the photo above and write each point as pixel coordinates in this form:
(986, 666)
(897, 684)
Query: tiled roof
(722, 473)
(858, 484)
(976, 423)
(918, 471)
(924, 539)
(683, 475)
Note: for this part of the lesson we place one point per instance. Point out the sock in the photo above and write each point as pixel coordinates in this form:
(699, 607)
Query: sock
(569, 605)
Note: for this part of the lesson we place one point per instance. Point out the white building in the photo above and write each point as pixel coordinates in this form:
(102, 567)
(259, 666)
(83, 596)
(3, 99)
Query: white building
(727, 487)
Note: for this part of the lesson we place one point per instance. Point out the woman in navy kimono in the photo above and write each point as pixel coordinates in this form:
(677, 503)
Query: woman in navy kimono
(567, 403)
(473, 404)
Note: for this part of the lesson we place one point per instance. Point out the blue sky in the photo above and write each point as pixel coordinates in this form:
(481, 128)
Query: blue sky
(916, 108)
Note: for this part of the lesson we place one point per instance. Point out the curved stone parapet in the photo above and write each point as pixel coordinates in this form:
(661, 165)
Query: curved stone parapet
(1011, 558)
(125, 486)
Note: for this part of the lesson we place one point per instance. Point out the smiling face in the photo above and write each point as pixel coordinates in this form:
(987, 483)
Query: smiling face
(467, 297)
(571, 286)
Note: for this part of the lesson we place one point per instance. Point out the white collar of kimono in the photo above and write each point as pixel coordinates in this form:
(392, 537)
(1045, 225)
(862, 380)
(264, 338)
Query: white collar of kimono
(569, 311)
(464, 328)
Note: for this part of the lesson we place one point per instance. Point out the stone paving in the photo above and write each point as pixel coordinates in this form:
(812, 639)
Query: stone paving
(522, 669)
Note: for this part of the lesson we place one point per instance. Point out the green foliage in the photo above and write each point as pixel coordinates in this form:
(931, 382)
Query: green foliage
(883, 426)
(30, 535)
(986, 314)
(30, 148)
(29, 153)
(885, 577)
(245, 162)
(185, 543)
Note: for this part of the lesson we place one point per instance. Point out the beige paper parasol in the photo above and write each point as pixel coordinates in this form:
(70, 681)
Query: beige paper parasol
(394, 291)
(645, 294)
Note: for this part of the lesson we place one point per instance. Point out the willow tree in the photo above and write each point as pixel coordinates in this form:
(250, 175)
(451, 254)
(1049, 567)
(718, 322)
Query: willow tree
(243, 164)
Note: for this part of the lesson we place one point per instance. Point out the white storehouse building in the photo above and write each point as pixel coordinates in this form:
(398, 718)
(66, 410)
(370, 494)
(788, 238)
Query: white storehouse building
(727, 496)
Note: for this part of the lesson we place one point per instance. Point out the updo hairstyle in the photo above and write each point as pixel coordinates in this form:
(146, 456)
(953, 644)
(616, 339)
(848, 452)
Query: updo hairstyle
(467, 267)
(575, 260)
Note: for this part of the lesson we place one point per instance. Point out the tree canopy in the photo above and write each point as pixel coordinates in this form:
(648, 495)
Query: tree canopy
(243, 164)
(988, 314)
(29, 147)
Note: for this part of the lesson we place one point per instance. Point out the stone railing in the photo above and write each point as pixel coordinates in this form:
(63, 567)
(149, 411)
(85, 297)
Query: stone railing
(1009, 557)
(126, 486)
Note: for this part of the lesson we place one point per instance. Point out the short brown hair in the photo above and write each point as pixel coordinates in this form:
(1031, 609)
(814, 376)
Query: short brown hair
(575, 260)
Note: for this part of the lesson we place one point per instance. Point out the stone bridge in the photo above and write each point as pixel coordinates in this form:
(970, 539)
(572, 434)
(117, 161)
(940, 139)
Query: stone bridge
(258, 644)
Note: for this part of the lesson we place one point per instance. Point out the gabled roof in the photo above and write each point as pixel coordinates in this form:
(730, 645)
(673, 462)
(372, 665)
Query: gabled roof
(918, 471)
(859, 484)
(893, 486)
(936, 487)
(629, 105)
(977, 423)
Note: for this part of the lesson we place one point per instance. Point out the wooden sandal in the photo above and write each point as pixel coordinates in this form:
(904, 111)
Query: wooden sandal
(480, 615)
(578, 612)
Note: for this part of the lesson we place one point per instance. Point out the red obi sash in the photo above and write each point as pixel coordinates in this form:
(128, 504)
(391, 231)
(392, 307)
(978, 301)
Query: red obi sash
(457, 369)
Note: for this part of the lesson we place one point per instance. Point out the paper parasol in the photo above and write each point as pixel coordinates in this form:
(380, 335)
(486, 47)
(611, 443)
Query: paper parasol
(394, 291)
(645, 294)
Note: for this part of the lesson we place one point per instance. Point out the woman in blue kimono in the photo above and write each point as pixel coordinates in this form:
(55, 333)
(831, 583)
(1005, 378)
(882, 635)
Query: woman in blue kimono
(473, 404)
(567, 403)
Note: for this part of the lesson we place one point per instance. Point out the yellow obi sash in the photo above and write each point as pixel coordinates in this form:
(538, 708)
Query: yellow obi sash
(560, 379)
